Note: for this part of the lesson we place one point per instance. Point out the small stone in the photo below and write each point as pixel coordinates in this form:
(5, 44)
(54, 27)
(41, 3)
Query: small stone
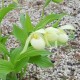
(39, 3)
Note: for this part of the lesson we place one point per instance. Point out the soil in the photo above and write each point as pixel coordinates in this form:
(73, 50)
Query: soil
(66, 59)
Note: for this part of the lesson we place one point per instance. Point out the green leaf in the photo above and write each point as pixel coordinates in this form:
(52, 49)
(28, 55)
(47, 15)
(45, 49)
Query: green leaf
(57, 1)
(11, 76)
(22, 21)
(56, 24)
(26, 23)
(41, 61)
(5, 66)
(14, 55)
(19, 34)
(48, 19)
(47, 2)
(33, 52)
(3, 49)
(3, 39)
(5, 10)
(72, 35)
(3, 76)
(20, 64)
(0, 38)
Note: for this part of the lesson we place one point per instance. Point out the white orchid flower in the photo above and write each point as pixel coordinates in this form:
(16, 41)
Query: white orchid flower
(51, 34)
(37, 42)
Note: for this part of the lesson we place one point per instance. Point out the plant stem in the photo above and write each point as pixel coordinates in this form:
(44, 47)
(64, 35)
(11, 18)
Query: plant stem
(42, 13)
(15, 77)
(2, 3)
(11, 76)
(56, 44)
(47, 42)
(26, 44)
(5, 57)
(21, 75)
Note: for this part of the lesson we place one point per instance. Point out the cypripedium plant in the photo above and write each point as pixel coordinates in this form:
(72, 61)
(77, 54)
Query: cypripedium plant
(33, 42)
(42, 37)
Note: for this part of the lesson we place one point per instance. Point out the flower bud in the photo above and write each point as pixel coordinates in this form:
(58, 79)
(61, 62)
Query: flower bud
(37, 42)
(51, 34)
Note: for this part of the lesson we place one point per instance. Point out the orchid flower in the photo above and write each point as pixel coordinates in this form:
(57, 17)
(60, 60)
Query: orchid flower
(37, 42)
(40, 38)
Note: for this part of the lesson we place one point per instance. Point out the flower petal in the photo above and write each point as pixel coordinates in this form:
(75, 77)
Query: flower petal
(51, 34)
(51, 29)
(68, 26)
(63, 38)
(40, 31)
(38, 43)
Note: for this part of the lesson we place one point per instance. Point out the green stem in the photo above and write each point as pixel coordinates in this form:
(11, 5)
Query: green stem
(42, 15)
(15, 77)
(2, 3)
(42, 12)
(71, 35)
(26, 44)
(56, 44)
(24, 70)
(21, 75)
(47, 42)
(11, 76)
(5, 57)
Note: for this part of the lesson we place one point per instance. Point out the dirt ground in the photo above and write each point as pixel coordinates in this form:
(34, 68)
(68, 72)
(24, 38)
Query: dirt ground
(67, 58)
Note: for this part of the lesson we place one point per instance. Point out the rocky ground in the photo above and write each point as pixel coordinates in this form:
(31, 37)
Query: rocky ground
(67, 58)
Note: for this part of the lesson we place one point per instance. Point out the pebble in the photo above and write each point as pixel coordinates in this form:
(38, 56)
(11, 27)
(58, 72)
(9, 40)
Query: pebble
(66, 60)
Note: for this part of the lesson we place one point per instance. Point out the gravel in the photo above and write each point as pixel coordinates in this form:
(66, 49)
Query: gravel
(67, 58)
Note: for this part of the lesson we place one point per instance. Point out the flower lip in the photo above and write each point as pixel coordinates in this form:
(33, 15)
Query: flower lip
(36, 36)
(37, 41)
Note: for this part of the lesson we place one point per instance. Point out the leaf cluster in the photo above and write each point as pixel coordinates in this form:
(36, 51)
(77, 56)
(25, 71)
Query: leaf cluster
(13, 62)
